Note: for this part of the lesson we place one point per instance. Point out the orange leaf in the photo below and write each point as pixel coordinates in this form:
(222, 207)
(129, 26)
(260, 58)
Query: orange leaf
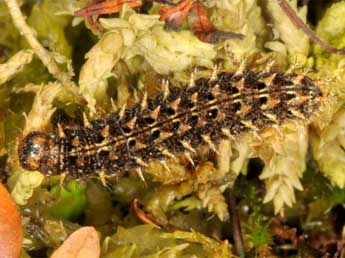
(175, 15)
(11, 233)
(200, 20)
(107, 7)
(83, 243)
(203, 28)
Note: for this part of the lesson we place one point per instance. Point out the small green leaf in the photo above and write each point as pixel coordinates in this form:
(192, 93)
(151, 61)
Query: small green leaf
(70, 202)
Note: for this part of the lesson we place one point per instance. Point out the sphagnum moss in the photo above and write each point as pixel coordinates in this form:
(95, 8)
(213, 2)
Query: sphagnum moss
(140, 47)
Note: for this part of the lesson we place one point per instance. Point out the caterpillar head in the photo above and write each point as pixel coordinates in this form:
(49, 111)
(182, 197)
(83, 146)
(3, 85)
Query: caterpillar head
(37, 152)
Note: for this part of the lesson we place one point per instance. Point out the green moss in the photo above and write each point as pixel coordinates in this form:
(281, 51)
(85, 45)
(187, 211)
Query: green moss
(260, 235)
(331, 29)
(50, 27)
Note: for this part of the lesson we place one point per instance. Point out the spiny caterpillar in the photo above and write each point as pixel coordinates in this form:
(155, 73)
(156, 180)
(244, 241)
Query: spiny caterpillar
(177, 121)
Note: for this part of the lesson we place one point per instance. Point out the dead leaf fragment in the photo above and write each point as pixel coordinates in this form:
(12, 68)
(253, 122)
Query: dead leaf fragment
(11, 233)
(83, 243)
(203, 28)
(199, 21)
(106, 7)
(175, 15)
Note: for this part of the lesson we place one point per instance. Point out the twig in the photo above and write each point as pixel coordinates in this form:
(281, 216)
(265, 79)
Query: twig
(236, 226)
(39, 50)
(297, 21)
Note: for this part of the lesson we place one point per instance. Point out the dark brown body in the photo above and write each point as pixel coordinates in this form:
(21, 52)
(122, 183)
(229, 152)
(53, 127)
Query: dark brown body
(177, 121)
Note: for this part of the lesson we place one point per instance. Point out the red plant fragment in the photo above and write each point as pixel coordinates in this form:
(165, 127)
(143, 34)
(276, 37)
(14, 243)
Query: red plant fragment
(106, 7)
(174, 16)
(199, 21)
(284, 232)
(203, 28)
(264, 251)
(93, 23)
(11, 233)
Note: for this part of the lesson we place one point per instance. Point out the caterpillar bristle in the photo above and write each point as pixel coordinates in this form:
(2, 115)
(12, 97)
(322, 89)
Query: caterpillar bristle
(61, 133)
(165, 165)
(208, 141)
(143, 104)
(131, 123)
(175, 104)
(114, 107)
(214, 73)
(122, 111)
(140, 162)
(154, 113)
(269, 79)
(169, 155)
(186, 145)
(269, 66)
(86, 121)
(165, 88)
(192, 78)
(188, 156)
(105, 131)
(140, 174)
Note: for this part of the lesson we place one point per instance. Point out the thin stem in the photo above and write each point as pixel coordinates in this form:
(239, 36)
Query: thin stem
(297, 21)
(236, 226)
(39, 50)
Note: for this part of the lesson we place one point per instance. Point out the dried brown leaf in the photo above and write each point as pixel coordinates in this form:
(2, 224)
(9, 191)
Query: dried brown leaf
(11, 233)
(83, 243)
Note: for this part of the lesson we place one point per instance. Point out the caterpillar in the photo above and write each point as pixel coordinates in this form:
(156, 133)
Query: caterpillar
(178, 120)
